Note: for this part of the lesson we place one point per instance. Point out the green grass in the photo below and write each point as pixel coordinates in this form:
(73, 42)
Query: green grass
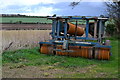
(24, 20)
(32, 57)
(33, 20)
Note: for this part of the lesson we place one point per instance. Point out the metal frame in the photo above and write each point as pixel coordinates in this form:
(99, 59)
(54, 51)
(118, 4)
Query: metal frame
(56, 30)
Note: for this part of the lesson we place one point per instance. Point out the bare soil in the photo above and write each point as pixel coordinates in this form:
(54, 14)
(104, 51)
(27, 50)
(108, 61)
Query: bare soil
(26, 26)
(40, 71)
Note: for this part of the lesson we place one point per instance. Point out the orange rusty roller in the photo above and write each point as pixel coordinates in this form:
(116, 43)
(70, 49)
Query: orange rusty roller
(102, 53)
(46, 49)
(87, 52)
(79, 51)
(76, 50)
(72, 29)
(60, 53)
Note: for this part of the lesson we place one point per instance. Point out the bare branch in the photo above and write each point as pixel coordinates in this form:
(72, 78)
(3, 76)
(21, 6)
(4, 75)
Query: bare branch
(73, 4)
(113, 9)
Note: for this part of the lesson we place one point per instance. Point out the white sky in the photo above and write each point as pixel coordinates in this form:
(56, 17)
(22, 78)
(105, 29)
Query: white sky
(33, 2)
(44, 10)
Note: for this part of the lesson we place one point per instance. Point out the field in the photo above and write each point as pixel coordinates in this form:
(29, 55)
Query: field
(26, 26)
(22, 39)
(24, 20)
(29, 63)
(21, 57)
(33, 20)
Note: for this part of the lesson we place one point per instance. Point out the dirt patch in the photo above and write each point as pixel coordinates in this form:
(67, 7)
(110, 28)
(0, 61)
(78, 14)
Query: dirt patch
(32, 72)
(43, 71)
(26, 26)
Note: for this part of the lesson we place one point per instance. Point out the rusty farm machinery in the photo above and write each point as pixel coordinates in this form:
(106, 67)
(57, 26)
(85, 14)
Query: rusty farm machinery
(69, 39)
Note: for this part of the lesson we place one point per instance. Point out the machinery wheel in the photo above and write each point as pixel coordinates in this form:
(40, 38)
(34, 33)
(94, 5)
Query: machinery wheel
(61, 53)
(46, 49)
(87, 52)
(76, 52)
(102, 53)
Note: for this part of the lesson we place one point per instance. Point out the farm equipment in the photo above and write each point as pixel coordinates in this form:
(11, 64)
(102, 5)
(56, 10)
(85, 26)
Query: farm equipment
(69, 39)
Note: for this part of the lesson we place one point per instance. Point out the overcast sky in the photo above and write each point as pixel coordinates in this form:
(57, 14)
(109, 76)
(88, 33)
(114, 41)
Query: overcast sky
(50, 7)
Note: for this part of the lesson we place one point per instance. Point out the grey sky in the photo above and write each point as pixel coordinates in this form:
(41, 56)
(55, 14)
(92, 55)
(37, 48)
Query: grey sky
(50, 7)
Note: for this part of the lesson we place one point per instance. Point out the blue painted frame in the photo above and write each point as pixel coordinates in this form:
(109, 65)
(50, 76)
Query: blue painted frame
(56, 30)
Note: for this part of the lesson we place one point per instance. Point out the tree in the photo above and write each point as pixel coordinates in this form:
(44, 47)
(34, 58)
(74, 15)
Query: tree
(73, 4)
(113, 9)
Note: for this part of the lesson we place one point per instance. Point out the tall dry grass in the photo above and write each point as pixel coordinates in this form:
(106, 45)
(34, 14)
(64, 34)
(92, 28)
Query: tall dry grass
(20, 39)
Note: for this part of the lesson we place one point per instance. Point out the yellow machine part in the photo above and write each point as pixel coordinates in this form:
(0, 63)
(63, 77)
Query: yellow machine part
(72, 29)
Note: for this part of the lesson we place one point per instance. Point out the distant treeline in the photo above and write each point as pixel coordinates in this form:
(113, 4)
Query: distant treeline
(19, 15)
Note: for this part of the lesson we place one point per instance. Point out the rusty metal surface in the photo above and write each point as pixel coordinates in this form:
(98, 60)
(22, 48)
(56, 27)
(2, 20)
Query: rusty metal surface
(102, 53)
(79, 51)
(72, 27)
(61, 53)
(46, 49)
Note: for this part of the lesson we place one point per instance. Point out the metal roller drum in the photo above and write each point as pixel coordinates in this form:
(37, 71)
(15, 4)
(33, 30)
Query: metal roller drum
(72, 29)
(79, 51)
(102, 53)
(76, 50)
(60, 53)
(46, 49)
(87, 52)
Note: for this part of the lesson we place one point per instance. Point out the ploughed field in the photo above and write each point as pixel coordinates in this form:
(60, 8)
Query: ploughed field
(26, 27)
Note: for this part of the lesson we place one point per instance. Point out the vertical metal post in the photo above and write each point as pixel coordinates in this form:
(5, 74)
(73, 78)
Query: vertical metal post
(95, 28)
(100, 26)
(65, 29)
(53, 28)
(76, 30)
(103, 28)
(87, 28)
(58, 28)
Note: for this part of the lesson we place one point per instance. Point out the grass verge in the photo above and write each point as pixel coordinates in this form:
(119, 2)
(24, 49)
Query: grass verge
(95, 68)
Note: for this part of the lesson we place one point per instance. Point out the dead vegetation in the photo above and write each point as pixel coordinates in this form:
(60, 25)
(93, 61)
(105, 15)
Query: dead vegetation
(21, 39)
